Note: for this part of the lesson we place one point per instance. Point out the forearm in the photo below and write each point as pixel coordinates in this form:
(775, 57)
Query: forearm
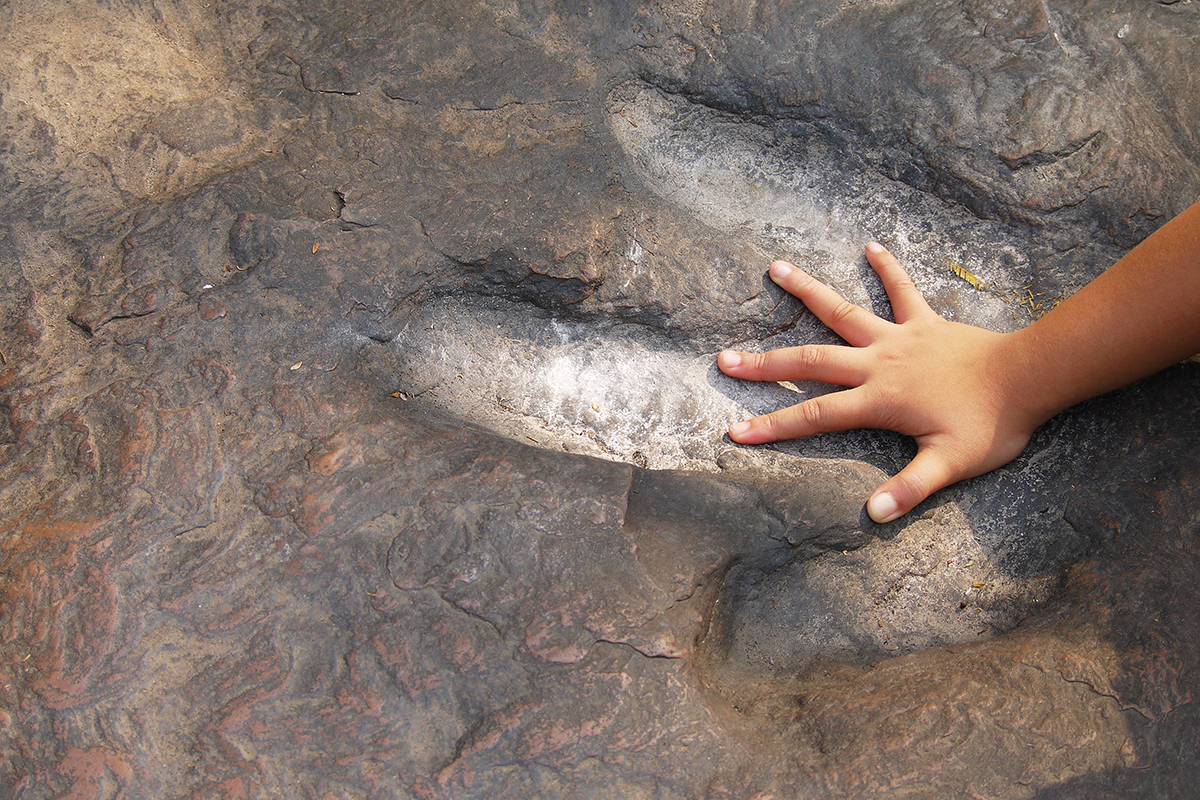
(1141, 315)
(916, 375)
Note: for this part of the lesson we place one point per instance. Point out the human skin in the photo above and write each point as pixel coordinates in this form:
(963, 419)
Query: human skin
(917, 375)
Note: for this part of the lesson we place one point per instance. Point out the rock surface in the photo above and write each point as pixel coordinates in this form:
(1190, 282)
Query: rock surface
(360, 434)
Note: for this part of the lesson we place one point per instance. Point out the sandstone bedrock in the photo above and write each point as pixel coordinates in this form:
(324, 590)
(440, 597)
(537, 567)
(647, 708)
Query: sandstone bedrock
(361, 435)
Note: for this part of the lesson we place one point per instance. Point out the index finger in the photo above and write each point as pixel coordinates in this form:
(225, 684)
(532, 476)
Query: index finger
(853, 323)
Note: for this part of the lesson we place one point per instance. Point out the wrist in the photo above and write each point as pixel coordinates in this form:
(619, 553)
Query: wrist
(1029, 391)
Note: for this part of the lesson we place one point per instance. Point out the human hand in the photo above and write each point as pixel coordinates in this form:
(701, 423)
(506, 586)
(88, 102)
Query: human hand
(955, 388)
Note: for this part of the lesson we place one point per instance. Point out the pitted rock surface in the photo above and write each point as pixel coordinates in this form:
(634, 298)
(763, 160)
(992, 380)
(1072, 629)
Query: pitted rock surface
(360, 433)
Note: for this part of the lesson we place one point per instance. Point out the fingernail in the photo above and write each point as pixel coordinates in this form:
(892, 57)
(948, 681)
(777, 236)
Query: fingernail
(883, 508)
(781, 269)
(874, 247)
(730, 358)
(738, 428)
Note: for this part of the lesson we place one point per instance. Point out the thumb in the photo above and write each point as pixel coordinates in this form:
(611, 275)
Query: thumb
(923, 476)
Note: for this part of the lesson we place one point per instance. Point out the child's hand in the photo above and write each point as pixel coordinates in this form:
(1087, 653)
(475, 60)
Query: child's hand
(953, 387)
(972, 398)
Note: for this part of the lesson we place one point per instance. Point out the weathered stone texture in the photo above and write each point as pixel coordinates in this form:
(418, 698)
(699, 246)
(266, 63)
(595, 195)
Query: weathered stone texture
(360, 434)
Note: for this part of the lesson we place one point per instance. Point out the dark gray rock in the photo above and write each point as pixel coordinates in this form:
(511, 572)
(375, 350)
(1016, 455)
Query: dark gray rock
(360, 433)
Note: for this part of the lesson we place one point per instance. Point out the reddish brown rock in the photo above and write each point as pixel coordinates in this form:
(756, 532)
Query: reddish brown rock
(359, 433)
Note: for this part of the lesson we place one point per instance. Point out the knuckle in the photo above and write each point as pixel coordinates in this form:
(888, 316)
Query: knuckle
(773, 425)
(804, 281)
(810, 358)
(760, 361)
(892, 419)
(778, 425)
(812, 412)
(915, 486)
(843, 311)
(892, 407)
